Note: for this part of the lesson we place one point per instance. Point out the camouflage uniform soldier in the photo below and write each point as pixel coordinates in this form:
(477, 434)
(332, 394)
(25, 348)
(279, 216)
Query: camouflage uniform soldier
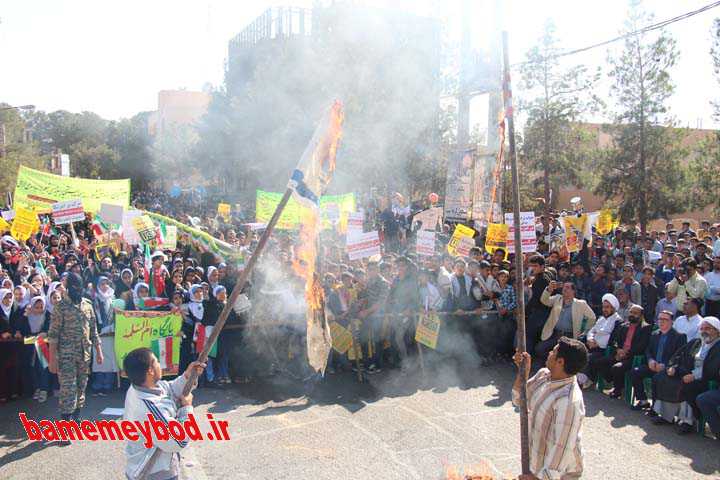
(73, 330)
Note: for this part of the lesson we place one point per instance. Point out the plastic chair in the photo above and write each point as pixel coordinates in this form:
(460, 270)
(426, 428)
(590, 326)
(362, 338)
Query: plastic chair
(601, 381)
(638, 361)
(712, 385)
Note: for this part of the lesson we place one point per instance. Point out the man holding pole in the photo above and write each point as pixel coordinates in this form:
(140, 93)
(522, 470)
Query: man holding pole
(556, 410)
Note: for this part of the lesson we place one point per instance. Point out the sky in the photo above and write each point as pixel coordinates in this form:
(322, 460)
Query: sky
(112, 57)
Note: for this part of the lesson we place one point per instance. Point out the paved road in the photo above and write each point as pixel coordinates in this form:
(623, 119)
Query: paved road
(393, 428)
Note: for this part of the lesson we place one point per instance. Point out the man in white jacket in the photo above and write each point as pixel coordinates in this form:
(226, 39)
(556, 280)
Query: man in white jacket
(149, 394)
(599, 335)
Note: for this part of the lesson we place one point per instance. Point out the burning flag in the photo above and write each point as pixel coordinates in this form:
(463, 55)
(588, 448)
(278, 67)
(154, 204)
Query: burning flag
(308, 181)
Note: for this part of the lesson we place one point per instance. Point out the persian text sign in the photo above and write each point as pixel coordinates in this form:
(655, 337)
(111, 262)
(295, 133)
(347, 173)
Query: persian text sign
(144, 227)
(496, 237)
(425, 244)
(355, 223)
(341, 337)
(363, 245)
(428, 330)
(68, 211)
(35, 188)
(266, 202)
(135, 329)
(528, 240)
(461, 240)
(25, 224)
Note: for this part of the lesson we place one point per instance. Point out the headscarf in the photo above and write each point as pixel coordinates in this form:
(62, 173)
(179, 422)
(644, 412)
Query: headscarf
(34, 320)
(7, 310)
(218, 289)
(132, 276)
(196, 306)
(104, 302)
(136, 294)
(25, 297)
(48, 297)
(210, 271)
(7, 280)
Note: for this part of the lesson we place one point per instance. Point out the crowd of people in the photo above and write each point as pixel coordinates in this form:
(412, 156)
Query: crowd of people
(645, 306)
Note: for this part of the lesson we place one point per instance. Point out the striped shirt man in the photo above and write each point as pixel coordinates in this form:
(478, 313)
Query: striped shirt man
(555, 412)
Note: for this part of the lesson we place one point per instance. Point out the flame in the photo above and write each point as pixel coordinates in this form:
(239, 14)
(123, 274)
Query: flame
(480, 471)
(327, 147)
(305, 257)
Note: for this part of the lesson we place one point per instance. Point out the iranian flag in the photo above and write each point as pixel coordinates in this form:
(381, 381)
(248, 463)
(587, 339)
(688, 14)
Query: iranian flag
(200, 337)
(43, 352)
(163, 350)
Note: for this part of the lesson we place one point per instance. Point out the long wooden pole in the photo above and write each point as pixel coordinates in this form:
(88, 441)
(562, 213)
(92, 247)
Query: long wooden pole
(242, 279)
(519, 269)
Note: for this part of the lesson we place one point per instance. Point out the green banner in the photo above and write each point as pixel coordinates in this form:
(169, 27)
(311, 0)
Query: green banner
(334, 209)
(135, 329)
(39, 190)
(224, 249)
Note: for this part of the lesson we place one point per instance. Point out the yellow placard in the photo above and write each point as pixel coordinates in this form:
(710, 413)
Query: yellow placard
(574, 232)
(39, 189)
(144, 227)
(428, 329)
(605, 222)
(24, 224)
(461, 231)
(4, 226)
(224, 210)
(341, 337)
(496, 237)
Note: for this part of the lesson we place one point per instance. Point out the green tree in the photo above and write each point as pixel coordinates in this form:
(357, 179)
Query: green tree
(19, 148)
(642, 167)
(705, 167)
(555, 145)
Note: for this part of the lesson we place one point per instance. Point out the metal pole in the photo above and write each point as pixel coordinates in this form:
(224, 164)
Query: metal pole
(519, 271)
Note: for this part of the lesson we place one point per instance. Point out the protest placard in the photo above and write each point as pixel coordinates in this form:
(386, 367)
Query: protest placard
(169, 238)
(144, 227)
(496, 237)
(341, 337)
(428, 219)
(155, 330)
(110, 213)
(355, 223)
(428, 329)
(528, 237)
(363, 245)
(68, 211)
(266, 202)
(224, 210)
(605, 222)
(461, 232)
(425, 243)
(35, 188)
(25, 224)
(575, 231)
(128, 231)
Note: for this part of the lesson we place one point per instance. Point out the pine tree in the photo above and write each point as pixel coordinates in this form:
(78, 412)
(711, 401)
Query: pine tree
(554, 143)
(642, 167)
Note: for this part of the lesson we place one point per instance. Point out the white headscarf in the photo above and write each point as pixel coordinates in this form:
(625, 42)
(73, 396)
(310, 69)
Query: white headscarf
(25, 296)
(196, 306)
(48, 297)
(136, 293)
(34, 320)
(7, 310)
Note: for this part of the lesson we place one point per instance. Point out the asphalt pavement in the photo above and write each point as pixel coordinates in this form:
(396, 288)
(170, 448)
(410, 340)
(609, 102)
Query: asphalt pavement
(392, 427)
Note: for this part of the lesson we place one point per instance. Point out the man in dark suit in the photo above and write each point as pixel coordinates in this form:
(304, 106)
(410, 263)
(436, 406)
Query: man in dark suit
(689, 372)
(628, 339)
(663, 345)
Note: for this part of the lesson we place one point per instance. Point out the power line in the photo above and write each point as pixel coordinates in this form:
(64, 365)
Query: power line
(649, 28)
